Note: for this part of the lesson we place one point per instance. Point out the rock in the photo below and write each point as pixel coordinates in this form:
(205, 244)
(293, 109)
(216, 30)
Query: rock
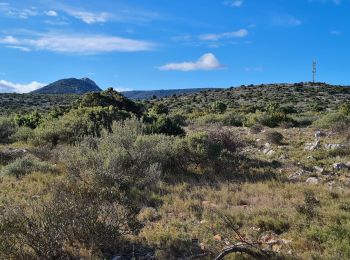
(319, 169)
(348, 164)
(297, 175)
(217, 238)
(11, 154)
(269, 238)
(311, 158)
(333, 146)
(207, 204)
(312, 180)
(339, 166)
(331, 184)
(312, 146)
(269, 152)
(258, 140)
(267, 145)
(148, 214)
(282, 157)
(319, 134)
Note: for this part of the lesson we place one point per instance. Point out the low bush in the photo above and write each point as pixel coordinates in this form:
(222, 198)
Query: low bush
(27, 165)
(278, 225)
(29, 120)
(226, 119)
(255, 129)
(79, 220)
(167, 126)
(24, 134)
(330, 119)
(219, 107)
(77, 124)
(269, 119)
(274, 138)
(7, 128)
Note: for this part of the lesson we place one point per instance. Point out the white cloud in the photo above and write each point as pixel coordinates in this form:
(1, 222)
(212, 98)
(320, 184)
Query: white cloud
(9, 40)
(121, 89)
(227, 35)
(51, 13)
(234, 3)
(10, 87)
(336, 2)
(254, 69)
(9, 11)
(78, 44)
(121, 15)
(335, 32)
(89, 17)
(21, 48)
(206, 62)
(287, 20)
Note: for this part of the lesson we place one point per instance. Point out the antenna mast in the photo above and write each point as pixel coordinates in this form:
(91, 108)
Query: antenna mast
(314, 70)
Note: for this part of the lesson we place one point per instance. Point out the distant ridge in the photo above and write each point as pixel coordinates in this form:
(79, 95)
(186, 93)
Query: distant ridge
(149, 94)
(69, 86)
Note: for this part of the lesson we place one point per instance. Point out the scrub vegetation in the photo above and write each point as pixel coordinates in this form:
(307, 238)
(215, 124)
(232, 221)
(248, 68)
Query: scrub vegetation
(263, 170)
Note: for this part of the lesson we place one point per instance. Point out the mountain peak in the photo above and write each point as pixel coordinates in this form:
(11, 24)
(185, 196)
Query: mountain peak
(69, 86)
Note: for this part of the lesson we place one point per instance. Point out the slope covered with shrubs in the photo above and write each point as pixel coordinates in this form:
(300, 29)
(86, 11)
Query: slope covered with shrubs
(109, 177)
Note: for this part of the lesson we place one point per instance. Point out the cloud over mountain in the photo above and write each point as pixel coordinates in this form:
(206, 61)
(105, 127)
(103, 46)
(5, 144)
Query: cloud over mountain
(10, 87)
(206, 62)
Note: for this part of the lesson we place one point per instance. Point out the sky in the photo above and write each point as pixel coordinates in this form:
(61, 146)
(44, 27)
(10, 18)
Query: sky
(170, 44)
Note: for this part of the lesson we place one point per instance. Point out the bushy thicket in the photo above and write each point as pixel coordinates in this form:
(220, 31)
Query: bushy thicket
(26, 165)
(82, 219)
(7, 128)
(128, 154)
(76, 124)
(330, 119)
(227, 119)
(93, 211)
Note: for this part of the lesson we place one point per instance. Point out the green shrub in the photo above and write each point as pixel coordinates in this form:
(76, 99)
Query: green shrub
(268, 119)
(167, 126)
(30, 120)
(213, 152)
(113, 99)
(159, 109)
(24, 134)
(77, 124)
(255, 129)
(227, 119)
(345, 109)
(26, 165)
(274, 119)
(7, 129)
(219, 107)
(328, 120)
(278, 225)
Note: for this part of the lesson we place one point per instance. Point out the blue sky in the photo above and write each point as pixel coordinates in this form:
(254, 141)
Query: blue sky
(167, 44)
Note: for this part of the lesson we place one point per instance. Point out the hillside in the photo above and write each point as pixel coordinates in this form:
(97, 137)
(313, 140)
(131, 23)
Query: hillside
(183, 177)
(150, 94)
(69, 86)
(300, 96)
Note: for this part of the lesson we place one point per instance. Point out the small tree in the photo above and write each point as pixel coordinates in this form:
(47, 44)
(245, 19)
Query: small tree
(345, 109)
(160, 109)
(219, 107)
(164, 125)
(272, 108)
(7, 128)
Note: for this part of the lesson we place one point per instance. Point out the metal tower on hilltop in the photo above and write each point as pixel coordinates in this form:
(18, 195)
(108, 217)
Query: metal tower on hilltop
(314, 70)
